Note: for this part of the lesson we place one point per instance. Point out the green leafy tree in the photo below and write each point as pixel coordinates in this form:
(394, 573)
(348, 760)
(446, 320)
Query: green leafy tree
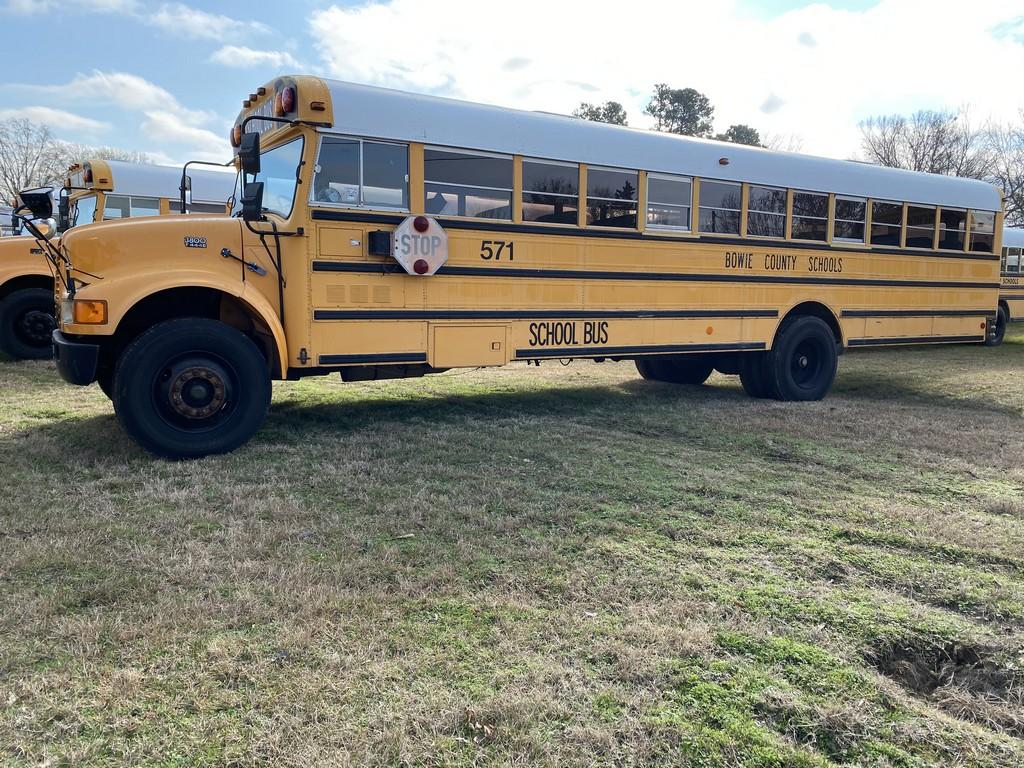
(741, 134)
(609, 112)
(680, 110)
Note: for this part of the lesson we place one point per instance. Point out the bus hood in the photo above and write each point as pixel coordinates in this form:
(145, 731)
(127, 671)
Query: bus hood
(100, 250)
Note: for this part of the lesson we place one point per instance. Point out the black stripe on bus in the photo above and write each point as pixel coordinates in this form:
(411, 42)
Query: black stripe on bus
(917, 312)
(386, 357)
(512, 314)
(531, 353)
(584, 274)
(533, 229)
(913, 340)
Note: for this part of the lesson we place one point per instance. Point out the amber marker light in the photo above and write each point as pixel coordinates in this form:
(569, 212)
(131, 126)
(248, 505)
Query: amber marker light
(236, 136)
(90, 312)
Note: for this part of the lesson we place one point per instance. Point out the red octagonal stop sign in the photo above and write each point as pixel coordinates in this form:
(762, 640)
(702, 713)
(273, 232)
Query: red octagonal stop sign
(420, 245)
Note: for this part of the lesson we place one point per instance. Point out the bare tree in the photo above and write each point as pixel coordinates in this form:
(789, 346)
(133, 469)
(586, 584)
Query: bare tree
(933, 142)
(1006, 145)
(783, 142)
(29, 157)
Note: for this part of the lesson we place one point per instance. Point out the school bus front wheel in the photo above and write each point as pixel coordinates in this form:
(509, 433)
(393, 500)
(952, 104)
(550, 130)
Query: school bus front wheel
(191, 387)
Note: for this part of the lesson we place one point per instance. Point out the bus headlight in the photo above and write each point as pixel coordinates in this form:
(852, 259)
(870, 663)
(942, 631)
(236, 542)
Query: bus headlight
(83, 312)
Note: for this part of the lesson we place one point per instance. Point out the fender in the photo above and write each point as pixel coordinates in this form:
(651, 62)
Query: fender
(138, 286)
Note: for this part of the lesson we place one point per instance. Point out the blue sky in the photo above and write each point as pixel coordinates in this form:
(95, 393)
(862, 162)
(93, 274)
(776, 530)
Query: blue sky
(168, 77)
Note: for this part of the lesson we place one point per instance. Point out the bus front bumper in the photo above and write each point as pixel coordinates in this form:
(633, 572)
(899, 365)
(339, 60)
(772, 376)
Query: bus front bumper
(76, 363)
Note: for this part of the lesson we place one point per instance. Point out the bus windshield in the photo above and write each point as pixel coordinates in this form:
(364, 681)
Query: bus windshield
(84, 210)
(279, 171)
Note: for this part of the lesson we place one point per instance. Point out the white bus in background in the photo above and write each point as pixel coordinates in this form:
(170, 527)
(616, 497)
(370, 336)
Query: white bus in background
(1011, 279)
(94, 190)
(6, 224)
(122, 190)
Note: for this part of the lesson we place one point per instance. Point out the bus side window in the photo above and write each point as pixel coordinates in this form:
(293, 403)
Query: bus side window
(886, 223)
(983, 228)
(1013, 260)
(144, 206)
(117, 207)
(462, 183)
(357, 172)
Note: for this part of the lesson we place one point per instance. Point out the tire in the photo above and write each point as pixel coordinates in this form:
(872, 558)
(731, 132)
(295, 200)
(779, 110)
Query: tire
(105, 380)
(803, 361)
(1001, 321)
(191, 387)
(754, 375)
(27, 324)
(692, 369)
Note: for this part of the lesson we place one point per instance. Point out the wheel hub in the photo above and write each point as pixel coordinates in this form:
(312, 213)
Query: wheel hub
(802, 361)
(36, 326)
(198, 392)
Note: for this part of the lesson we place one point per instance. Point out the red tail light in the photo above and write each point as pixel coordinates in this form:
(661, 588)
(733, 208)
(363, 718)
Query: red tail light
(421, 224)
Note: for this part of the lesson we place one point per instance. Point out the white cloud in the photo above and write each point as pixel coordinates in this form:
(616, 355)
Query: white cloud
(32, 7)
(58, 119)
(241, 56)
(167, 127)
(183, 20)
(893, 57)
(126, 91)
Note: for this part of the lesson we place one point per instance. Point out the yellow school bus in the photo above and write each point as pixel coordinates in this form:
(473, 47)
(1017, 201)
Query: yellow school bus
(384, 234)
(1011, 290)
(96, 190)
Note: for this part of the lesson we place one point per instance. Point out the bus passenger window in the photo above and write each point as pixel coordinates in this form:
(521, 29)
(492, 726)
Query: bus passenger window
(355, 172)
(1013, 260)
(611, 198)
(766, 212)
(886, 223)
(810, 216)
(467, 184)
(850, 215)
(719, 207)
(550, 192)
(385, 175)
(117, 207)
(920, 226)
(952, 229)
(983, 228)
(668, 201)
(144, 206)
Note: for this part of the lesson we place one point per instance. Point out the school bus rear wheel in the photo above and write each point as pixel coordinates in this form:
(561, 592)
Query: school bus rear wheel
(191, 387)
(999, 332)
(802, 363)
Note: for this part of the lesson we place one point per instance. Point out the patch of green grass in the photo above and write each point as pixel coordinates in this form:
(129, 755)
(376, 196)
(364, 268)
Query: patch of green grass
(564, 566)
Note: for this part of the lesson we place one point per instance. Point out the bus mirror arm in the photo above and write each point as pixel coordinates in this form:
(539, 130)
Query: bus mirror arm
(186, 181)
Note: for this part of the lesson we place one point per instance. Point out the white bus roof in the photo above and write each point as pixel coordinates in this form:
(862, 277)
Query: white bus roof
(373, 112)
(144, 180)
(1013, 238)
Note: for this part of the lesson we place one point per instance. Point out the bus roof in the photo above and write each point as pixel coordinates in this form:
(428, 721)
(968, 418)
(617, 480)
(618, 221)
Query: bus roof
(1013, 237)
(145, 180)
(374, 112)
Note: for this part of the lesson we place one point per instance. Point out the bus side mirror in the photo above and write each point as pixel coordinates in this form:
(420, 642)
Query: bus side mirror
(63, 213)
(252, 201)
(38, 202)
(249, 153)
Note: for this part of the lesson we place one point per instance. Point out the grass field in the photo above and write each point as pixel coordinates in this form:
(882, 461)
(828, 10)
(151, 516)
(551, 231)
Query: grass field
(565, 566)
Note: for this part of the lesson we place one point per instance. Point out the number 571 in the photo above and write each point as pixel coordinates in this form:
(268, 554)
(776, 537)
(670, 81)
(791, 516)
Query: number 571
(493, 249)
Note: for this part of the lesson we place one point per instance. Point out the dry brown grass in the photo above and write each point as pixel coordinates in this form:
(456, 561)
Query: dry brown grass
(564, 566)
